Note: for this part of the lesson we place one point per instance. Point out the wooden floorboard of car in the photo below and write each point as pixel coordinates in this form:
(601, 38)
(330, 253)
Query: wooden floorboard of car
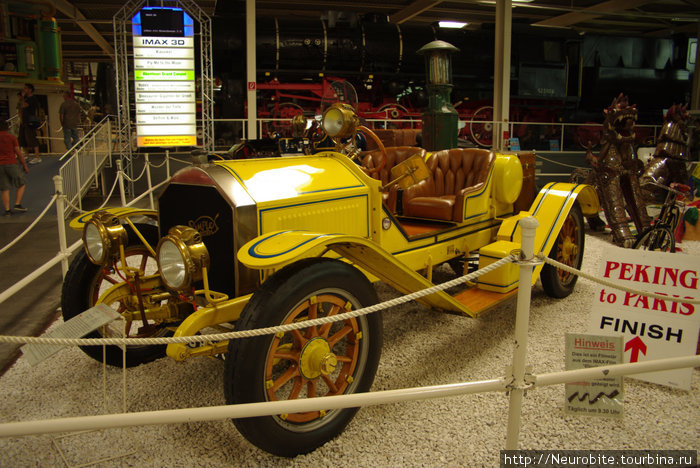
(480, 300)
(417, 229)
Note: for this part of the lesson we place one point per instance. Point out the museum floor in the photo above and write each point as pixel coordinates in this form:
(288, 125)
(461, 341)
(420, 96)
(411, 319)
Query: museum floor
(421, 347)
(30, 310)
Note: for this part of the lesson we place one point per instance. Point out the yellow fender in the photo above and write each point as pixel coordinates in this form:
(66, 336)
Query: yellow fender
(79, 222)
(550, 208)
(279, 248)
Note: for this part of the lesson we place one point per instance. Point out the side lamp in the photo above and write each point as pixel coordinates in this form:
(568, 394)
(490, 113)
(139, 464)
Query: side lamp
(102, 237)
(182, 257)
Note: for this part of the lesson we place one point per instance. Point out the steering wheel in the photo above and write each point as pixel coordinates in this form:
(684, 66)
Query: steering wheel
(381, 147)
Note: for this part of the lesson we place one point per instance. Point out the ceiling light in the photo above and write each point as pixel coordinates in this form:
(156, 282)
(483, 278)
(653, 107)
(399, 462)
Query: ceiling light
(452, 24)
(493, 2)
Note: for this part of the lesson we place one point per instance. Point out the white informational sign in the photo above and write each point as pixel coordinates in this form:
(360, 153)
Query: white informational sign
(77, 327)
(599, 397)
(167, 108)
(164, 80)
(651, 328)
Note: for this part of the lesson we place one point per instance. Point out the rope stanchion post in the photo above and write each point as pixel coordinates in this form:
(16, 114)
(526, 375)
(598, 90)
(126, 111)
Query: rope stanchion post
(522, 318)
(61, 215)
(167, 163)
(148, 179)
(120, 177)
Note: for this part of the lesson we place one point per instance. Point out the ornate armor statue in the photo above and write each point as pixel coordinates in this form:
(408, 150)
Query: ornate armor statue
(616, 170)
(668, 164)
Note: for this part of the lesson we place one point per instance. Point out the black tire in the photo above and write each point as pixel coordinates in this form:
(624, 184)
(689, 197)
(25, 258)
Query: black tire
(568, 249)
(658, 238)
(81, 289)
(251, 363)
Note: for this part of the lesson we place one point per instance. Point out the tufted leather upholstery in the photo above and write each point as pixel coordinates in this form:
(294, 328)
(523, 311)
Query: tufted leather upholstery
(455, 173)
(395, 155)
(395, 137)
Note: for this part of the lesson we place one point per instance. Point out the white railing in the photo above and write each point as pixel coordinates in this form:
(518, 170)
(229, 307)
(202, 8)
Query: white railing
(548, 136)
(516, 381)
(13, 123)
(63, 205)
(84, 161)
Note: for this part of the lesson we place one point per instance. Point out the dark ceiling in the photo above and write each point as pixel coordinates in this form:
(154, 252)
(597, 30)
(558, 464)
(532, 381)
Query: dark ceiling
(87, 28)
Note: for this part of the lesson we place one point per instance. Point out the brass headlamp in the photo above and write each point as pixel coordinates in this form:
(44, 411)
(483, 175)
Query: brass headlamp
(102, 236)
(340, 121)
(181, 256)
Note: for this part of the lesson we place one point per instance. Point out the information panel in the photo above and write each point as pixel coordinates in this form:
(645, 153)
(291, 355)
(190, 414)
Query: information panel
(599, 397)
(164, 81)
(652, 327)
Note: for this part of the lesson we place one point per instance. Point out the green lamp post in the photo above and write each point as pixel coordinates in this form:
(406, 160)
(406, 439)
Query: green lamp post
(440, 118)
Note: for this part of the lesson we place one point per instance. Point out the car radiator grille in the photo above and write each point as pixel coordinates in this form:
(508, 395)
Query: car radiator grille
(203, 208)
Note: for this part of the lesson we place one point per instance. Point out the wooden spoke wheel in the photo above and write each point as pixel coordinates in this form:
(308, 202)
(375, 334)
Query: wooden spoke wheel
(332, 359)
(568, 250)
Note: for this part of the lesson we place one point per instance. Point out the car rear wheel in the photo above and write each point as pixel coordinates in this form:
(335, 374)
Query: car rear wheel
(333, 359)
(567, 250)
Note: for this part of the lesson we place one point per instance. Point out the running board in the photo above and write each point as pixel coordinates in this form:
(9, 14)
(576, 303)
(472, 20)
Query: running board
(479, 300)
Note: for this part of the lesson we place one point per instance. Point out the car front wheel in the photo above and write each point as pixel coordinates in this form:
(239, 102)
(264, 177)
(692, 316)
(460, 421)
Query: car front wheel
(332, 359)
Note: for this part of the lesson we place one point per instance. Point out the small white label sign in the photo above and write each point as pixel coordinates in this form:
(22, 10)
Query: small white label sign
(600, 397)
(77, 327)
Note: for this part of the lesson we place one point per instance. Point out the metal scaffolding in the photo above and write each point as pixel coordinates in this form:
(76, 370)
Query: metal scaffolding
(124, 73)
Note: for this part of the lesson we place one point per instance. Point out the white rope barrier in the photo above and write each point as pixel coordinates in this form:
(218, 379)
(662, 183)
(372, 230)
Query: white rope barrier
(156, 166)
(325, 320)
(143, 171)
(247, 410)
(38, 272)
(515, 383)
(31, 226)
(351, 400)
(539, 156)
(612, 284)
(104, 203)
(259, 331)
(146, 193)
(180, 161)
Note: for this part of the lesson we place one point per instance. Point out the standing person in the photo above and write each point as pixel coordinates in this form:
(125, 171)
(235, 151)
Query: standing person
(30, 122)
(69, 113)
(10, 173)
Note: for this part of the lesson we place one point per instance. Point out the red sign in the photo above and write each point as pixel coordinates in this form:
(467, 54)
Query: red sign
(251, 86)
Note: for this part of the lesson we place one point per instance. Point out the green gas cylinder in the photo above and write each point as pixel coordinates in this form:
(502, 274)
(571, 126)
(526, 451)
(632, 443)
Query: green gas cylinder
(50, 51)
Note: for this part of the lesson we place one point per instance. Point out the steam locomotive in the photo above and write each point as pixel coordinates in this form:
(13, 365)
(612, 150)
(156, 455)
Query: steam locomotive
(555, 75)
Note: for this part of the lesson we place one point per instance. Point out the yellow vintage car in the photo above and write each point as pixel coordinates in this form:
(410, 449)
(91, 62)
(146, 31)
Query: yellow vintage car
(256, 243)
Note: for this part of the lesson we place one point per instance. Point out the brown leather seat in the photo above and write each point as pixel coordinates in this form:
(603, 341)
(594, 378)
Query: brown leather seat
(395, 137)
(395, 155)
(455, 173)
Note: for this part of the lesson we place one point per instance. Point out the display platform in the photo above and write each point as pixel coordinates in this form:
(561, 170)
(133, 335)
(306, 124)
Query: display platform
(420, 348)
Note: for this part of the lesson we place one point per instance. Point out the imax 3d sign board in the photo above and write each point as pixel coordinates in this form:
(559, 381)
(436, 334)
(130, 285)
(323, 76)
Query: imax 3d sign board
(164, 81)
